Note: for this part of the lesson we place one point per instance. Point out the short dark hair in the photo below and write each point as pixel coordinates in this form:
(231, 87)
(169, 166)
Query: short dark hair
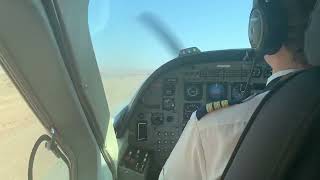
(298, 12)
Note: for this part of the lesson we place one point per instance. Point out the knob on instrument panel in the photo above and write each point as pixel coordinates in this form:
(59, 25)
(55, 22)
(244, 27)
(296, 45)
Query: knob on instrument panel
(157, 118)
(168, 104)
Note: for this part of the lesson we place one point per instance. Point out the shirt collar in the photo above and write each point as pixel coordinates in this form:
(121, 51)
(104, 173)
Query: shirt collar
(281, 73)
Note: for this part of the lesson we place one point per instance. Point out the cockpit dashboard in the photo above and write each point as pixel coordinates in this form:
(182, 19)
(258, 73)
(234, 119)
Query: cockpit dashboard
(162, 107)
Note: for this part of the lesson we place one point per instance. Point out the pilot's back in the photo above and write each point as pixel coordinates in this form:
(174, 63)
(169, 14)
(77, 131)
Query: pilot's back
(220, 132)
(208, 143)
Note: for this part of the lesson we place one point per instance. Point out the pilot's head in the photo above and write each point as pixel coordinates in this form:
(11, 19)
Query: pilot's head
(276, 30)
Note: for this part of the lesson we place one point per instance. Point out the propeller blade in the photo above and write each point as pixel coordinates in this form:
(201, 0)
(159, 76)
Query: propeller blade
(162, 31)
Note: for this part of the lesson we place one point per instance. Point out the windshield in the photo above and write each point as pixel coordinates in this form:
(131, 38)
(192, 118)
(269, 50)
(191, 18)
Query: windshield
(128, 48)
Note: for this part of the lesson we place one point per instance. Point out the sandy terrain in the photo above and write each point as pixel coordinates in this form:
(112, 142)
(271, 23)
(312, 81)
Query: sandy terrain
(120, 90)
(19, 128)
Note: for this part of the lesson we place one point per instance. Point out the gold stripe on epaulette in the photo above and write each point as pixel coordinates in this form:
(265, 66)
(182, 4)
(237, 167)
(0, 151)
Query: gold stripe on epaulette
(217, 105)
(224, 103)
(209, 107)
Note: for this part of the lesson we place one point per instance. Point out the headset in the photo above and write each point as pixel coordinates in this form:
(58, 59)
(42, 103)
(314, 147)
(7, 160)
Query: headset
(268, 30)
(268, 26)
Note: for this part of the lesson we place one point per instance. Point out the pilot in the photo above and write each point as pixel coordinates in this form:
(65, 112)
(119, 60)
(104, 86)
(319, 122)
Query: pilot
(211, 134)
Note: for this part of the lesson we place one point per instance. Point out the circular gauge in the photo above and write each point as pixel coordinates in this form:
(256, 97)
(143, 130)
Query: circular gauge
(239, 91)
(193, 91)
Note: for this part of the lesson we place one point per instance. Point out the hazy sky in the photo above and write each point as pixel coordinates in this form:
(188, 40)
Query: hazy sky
(122, 43)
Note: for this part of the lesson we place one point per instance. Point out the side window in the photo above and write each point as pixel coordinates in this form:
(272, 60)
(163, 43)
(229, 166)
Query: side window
(19, 130)
(47, 166)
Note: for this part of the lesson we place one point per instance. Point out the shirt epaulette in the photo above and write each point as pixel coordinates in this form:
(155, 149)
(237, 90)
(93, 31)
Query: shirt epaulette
(210, 107)
(213, 106)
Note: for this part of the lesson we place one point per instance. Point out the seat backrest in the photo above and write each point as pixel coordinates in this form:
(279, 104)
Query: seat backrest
(281, 132)
(282, 139)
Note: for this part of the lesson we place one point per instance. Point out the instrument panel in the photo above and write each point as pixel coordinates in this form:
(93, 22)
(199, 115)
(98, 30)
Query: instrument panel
(167, 103)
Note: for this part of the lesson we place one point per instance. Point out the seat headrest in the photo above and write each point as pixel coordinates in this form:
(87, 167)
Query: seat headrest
(312, 37)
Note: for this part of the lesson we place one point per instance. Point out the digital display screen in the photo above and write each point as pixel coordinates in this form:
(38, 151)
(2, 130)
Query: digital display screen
(142, 134)
(216, 92)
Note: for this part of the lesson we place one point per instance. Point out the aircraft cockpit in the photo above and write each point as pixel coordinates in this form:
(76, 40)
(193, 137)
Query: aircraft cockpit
(112, 88)
(160, 110)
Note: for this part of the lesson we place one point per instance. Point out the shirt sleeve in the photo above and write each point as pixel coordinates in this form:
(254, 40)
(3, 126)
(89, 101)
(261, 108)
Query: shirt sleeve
(186, 161)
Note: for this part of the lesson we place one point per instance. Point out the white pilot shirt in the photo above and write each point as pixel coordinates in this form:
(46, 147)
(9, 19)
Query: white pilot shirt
(205, 146)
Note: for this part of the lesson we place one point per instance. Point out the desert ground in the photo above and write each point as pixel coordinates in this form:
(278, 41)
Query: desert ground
(119, 90)
(19, 127)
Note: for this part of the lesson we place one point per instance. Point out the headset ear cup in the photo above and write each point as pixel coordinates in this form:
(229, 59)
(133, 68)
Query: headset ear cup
(256, 30)
(260, 32)
(267, 28)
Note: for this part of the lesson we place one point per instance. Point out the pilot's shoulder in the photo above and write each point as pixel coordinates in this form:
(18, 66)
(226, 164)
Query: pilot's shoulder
(225, 112)
(212, 108)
